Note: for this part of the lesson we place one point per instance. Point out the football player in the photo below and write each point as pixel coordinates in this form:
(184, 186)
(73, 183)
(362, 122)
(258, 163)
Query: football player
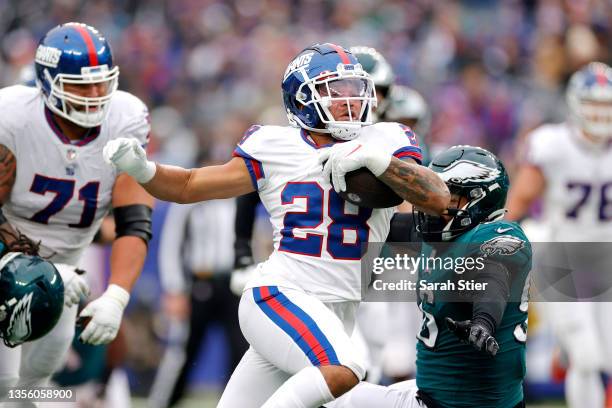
(371, 332)
(298, 310)
(56, 189)
(568, 166)
(471, 346)
(375, 64)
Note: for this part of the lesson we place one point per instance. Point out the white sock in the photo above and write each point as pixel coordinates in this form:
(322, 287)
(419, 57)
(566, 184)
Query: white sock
(305, 389)
(584, 389)
(366, 395)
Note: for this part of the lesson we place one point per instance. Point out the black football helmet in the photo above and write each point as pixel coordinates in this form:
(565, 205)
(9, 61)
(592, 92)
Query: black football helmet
(473, 173)
(31, 298)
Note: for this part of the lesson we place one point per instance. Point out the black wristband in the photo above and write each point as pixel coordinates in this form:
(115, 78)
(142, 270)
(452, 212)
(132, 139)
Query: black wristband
(485, 320)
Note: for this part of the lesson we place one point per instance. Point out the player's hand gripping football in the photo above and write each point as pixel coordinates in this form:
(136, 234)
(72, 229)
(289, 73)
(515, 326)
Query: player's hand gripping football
(348, 156)
(128, 156)
(105, 312)
(475, 334)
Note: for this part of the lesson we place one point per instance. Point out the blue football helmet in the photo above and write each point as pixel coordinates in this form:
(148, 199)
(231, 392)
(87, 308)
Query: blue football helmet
(326, 76)
(31, 298)
(76, 54)
(589, 97)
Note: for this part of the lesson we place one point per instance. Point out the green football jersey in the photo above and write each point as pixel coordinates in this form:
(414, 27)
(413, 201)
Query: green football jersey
(455, 374)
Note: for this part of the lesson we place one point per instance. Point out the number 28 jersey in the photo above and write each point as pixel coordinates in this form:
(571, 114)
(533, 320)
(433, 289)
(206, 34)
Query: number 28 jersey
(62, 190)
(318, 236)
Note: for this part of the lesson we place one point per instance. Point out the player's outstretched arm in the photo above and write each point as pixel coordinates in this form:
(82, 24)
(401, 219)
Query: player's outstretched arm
(170, 183)
(529, 185)
(411, 181)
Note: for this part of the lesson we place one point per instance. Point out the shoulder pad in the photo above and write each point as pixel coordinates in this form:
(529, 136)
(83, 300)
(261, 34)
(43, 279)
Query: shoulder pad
(501, 238)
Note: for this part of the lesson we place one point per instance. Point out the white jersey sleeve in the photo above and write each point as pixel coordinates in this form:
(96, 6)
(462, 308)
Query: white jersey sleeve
(252, 149)
(541, 148)
(396, 138)
(131, 116)
(13, 119)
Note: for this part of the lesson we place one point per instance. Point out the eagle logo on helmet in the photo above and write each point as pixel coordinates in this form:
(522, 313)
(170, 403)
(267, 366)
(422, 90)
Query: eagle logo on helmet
(20, 326)
(502, 245)
(465, 171)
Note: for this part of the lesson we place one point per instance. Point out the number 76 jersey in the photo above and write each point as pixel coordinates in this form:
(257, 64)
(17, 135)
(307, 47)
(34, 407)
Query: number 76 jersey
(62, 190)
(318, 236)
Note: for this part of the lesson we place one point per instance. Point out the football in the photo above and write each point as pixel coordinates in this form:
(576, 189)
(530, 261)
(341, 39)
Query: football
(364, 189)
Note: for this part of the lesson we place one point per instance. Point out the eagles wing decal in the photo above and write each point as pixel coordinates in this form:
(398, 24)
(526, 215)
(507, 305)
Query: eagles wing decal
(467, 170)
(20, 326)
(503, 245)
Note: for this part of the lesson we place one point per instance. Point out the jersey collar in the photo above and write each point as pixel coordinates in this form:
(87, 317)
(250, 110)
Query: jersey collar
(90, 136)
(310, 141)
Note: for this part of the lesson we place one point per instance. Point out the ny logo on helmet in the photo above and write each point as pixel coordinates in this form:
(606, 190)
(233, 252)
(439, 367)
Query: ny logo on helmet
(48, 56)
(300, 61)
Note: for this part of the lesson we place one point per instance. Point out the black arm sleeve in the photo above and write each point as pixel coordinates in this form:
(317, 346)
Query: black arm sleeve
(402, 229)
(243, 227)
(489, 304)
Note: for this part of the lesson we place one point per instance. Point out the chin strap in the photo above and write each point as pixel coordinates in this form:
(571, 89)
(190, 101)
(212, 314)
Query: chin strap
(496, 215)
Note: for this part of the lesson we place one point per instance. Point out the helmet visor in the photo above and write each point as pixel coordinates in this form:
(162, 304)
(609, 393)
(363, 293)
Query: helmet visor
(85, 97)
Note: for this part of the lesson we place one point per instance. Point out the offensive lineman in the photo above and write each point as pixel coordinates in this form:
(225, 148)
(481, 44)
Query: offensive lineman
(568, 166)
(298, 311)
(55, 187)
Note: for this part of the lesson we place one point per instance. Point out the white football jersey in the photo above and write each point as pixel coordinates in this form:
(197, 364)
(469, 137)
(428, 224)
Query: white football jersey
(577, 203)
(317, 235)
(62, 190)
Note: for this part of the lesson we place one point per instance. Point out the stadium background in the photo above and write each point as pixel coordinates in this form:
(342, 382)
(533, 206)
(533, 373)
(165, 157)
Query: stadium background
(490, 70)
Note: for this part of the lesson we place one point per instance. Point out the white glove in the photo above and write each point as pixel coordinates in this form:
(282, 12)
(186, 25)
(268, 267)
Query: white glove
(105, 312)
(75, 285)
(127, 155)
(74, 290)
(348, 156)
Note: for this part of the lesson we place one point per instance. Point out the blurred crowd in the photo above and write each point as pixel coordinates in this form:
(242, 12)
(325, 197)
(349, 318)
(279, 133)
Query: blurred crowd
(210, 68)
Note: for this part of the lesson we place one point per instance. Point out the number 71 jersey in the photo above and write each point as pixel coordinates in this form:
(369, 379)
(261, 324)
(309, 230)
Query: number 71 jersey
(318, 236)
(62, 190)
